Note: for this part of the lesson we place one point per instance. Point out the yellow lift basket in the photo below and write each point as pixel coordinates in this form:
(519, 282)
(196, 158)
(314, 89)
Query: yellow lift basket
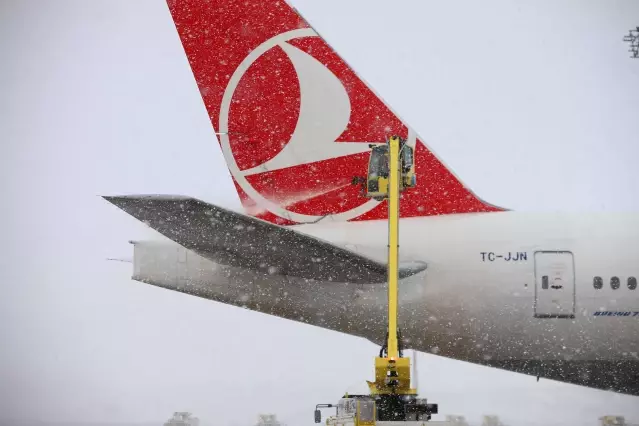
(378, 172)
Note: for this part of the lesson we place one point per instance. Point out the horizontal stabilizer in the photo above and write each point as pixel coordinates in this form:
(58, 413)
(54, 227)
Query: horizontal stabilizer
(229, 238)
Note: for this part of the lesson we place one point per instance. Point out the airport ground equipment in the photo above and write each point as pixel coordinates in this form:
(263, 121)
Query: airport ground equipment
(392, 400)
(613, 421)
(182, 418)
(491, 420)
(268, 420)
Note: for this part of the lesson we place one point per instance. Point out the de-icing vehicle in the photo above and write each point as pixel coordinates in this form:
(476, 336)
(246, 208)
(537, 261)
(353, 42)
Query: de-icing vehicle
(392, 399)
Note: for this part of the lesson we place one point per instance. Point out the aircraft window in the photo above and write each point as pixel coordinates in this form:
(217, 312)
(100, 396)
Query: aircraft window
(598, 283)
(615, 283)
(632, 283)
(379, 162)
(407, 158)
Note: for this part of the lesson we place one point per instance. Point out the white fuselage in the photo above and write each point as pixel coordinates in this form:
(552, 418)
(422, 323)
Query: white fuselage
(512, 285)
(551, 295)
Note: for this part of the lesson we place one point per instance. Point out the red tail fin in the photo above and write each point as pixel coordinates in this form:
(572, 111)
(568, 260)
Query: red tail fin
(294, 119)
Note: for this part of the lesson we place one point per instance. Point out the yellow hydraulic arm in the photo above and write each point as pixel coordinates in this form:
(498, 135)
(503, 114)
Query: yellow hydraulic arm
(393, 244)
(392, 373)
(391, 170)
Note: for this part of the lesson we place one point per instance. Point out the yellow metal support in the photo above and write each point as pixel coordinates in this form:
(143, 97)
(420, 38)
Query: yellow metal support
(391, 170)
(392, 373)
(393, 245)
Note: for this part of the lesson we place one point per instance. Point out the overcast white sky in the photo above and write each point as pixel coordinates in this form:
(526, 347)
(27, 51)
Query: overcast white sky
(533, 104)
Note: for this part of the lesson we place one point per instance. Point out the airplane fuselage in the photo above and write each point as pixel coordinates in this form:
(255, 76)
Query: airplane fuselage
(548, 294)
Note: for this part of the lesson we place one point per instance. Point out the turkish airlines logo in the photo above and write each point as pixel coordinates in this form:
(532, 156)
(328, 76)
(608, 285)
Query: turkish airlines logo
(322, 111)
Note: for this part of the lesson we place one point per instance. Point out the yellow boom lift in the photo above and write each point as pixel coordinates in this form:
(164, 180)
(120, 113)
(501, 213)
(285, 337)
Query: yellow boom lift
(391, 170)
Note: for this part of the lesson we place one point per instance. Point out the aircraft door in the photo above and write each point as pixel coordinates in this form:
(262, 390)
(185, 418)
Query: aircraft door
(554, 284)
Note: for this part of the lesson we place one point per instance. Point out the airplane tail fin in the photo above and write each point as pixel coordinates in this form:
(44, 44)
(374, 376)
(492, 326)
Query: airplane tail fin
(294, 120)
